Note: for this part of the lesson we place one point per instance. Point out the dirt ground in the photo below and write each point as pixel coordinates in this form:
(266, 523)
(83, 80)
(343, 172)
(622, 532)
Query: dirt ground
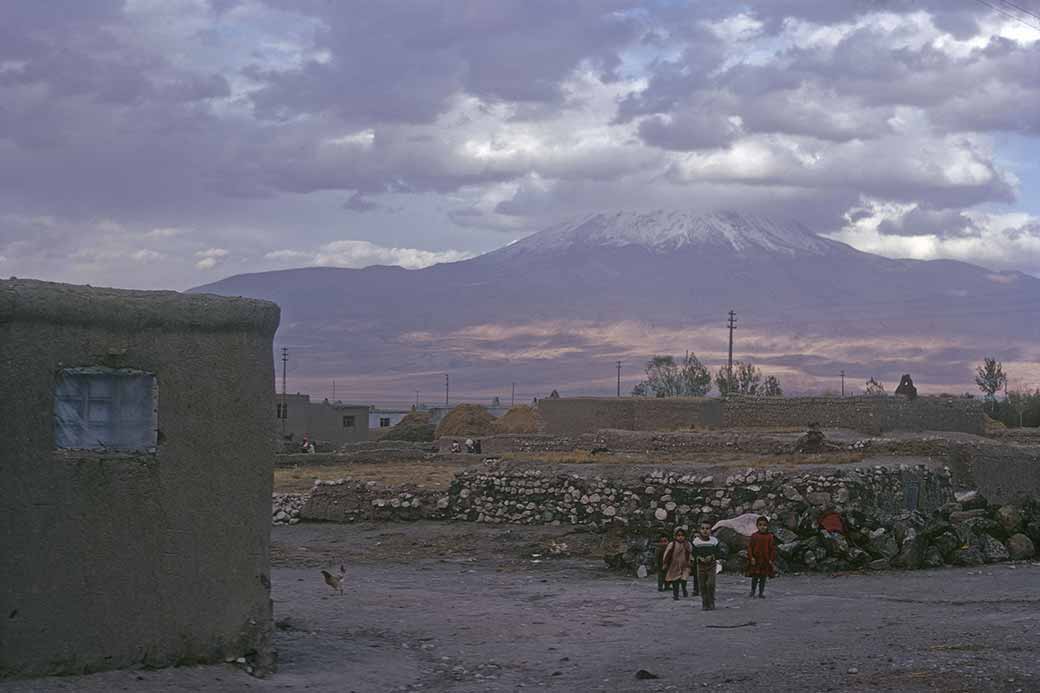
(470, 608)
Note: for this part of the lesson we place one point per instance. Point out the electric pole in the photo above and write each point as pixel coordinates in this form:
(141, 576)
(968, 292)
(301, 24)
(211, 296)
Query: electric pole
(619, 379)
(333, 390)
(447, 383)
(843, 383)
(416, 399)
(512, 399)
(285, 412)
(729, 363)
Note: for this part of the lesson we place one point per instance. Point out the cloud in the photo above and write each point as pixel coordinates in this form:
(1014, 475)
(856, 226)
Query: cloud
(210, 258)
(273, 117)
(360, 254)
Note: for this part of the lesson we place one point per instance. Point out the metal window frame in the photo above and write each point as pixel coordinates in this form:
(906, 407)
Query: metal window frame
(114, 401)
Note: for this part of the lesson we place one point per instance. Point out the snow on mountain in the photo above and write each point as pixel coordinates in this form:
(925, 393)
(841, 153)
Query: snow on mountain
(666, 231)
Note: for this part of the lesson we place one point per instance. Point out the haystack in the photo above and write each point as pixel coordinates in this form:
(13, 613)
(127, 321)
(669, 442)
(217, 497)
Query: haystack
(414, 427)
(521, 419)
(467, 420)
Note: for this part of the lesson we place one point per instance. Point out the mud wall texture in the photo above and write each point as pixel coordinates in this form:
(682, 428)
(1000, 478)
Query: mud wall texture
(872, 415)
(147, 558)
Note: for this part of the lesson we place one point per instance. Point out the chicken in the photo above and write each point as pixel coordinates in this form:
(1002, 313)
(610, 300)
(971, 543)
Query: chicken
(335, 581)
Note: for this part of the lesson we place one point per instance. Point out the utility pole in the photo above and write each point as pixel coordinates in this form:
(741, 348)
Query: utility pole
(447, 383)
(333, 390)
(512, 399)
(416, 399)
(285, 412)
(619, 379)
(843, 383)
(729, 364)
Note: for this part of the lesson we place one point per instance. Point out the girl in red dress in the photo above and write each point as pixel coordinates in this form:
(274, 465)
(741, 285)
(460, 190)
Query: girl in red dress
(761, 557)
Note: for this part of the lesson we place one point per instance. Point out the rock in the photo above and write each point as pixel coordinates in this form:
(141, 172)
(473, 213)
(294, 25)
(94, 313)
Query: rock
(933, 557)
(982, 525)
(970, 500)
(934, 528)
(643, 674)
(1033, 531)
(784, 535)
(820, 499)
(880, 564)
(641, 571)
(791, 493)
(947, 543)
(967, 556)
(992, 550)
(1010, 518)
(1020, 547)
(911, 555)
(960, 516)
(733, 539)
(882, 544)
(661, 514)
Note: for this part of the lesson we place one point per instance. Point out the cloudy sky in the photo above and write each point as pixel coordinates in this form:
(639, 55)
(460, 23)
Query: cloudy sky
(167, 143)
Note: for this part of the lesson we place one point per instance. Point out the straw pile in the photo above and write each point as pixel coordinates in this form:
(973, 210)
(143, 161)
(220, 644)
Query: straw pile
(467, 420)
(520, 419)
(415, 427)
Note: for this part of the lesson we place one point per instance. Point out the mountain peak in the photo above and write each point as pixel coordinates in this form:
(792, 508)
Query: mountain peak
(666, 231)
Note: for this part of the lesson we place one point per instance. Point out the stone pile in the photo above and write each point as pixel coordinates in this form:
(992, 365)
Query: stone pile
(286, 507)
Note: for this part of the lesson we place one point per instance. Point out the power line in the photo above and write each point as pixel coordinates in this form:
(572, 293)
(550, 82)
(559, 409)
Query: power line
(1007, 14)
(1021, 9)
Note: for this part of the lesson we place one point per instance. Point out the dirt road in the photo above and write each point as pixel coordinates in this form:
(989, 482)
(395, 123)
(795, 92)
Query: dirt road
(464, 608)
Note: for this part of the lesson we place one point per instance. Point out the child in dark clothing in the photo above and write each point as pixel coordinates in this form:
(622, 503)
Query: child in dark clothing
(662, 544)
(676, 560)
(706, 553)
(761, 557)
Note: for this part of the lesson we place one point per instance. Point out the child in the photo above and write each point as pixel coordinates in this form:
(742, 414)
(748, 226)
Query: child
(705, 554)
(761, 556)
(662, 544)
(676, 560)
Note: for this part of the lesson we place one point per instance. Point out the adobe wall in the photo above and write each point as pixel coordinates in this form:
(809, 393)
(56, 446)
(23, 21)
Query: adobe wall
(573, 416)
(872, 415)
(118, 560)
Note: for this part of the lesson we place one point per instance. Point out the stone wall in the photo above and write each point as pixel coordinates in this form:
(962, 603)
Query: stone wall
(645, 496)
(872, 415)
(347, 500)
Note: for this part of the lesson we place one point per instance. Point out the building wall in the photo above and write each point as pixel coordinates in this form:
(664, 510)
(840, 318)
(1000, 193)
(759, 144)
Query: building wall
(115, 560)
(872, 415)
(322, 421)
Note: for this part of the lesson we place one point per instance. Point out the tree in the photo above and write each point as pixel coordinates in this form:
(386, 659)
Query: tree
(990, 377)
(875, 388)
(745, 379)
(666, 378)
(771, 387)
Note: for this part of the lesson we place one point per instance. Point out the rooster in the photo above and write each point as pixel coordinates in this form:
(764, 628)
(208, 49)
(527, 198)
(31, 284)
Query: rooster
(335, 581)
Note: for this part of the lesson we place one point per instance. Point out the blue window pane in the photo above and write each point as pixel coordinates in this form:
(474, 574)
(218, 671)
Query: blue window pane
(105, 408)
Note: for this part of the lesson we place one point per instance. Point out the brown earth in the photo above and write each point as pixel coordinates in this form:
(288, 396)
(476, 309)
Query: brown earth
(466, 420)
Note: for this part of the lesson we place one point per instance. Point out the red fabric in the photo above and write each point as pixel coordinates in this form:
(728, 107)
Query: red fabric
(761, 555)
(832, 522)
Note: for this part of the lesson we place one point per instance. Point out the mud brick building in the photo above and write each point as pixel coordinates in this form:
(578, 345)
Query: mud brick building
(136, 450)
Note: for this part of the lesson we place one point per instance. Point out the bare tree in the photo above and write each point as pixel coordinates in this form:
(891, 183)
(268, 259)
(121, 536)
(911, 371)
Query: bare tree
(990, 378)
(874, 387)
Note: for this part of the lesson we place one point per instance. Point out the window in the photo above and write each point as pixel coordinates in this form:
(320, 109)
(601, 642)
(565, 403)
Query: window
(348, 422)
(384, 422)
(105, 408)
(282, 410)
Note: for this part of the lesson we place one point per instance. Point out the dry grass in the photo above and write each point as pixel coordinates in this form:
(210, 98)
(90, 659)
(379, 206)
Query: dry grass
(301, 479)
(717, 459)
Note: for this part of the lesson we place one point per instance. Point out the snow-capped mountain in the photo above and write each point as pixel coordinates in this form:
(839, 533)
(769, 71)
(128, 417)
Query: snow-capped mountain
(665, 231)
(554, 309)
